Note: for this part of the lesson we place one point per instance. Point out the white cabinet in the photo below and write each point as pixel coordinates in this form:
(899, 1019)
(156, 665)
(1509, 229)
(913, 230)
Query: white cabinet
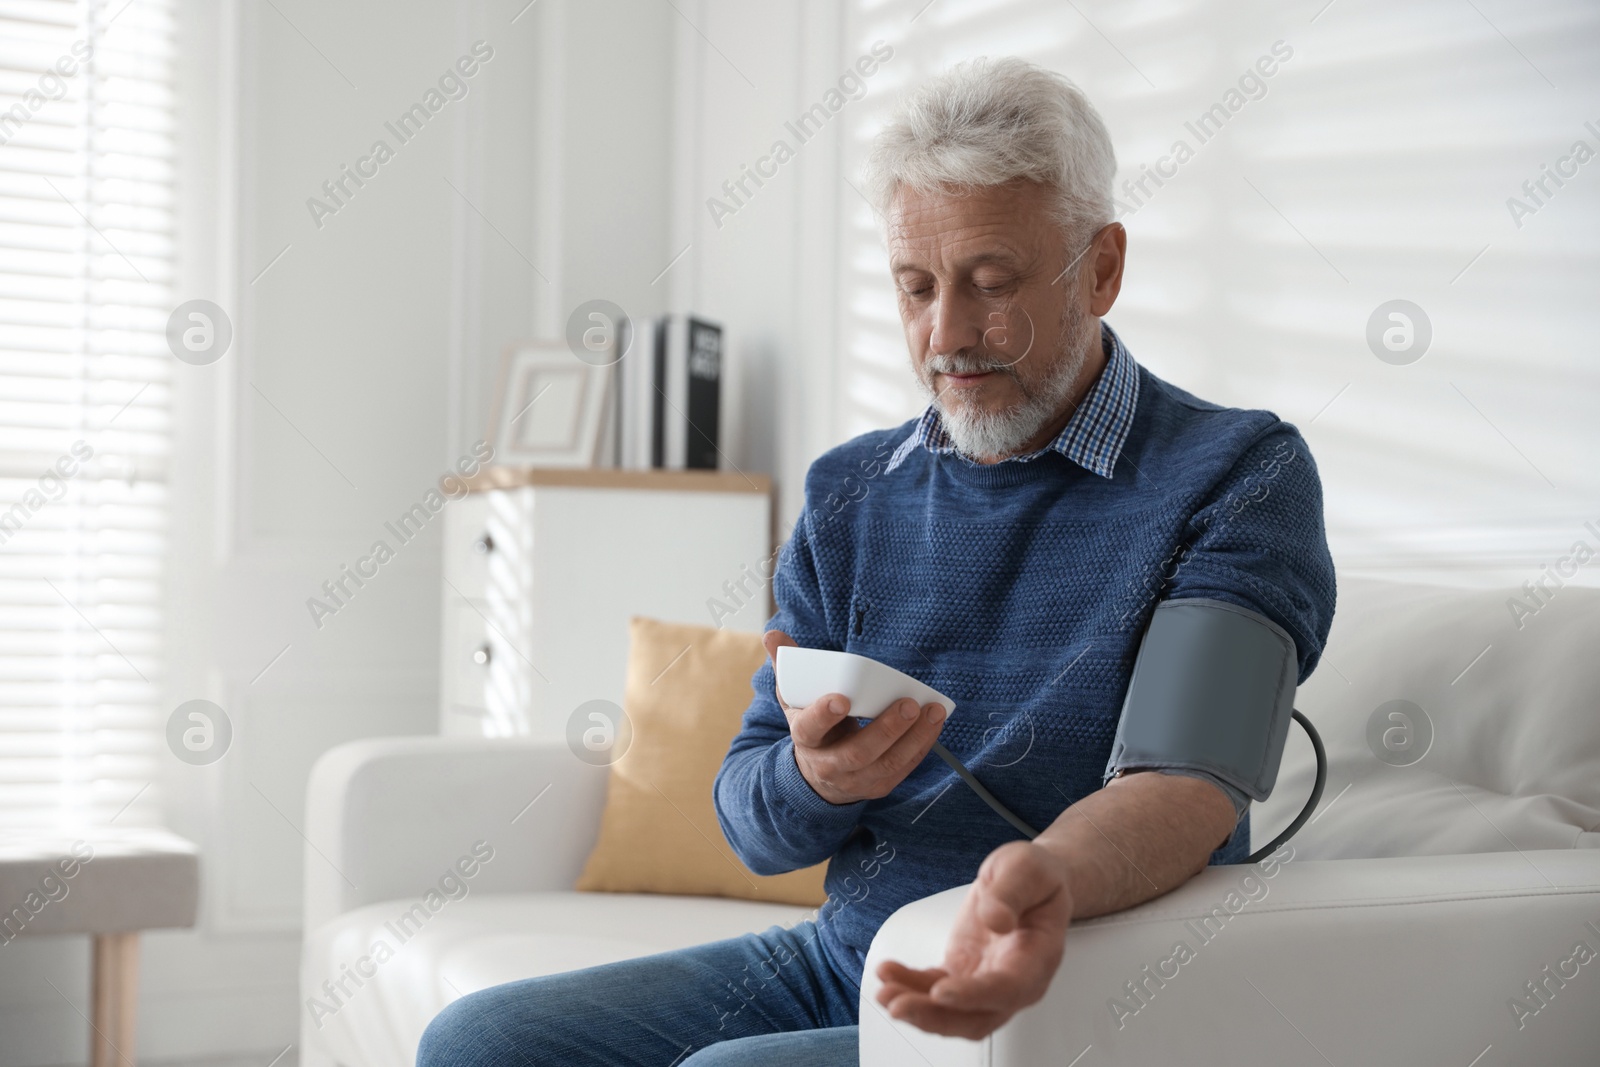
(544, 568)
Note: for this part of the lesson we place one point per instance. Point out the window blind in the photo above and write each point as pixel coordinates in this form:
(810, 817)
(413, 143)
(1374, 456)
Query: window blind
(86, 264)
(1377, 162)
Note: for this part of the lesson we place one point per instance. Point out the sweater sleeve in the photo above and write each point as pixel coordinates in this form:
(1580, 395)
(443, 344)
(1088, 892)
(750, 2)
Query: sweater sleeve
(1258, 541)
(769, 813)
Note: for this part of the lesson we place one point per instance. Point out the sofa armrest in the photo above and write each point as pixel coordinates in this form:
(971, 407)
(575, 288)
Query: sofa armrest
(388, 817)
(1419, 959)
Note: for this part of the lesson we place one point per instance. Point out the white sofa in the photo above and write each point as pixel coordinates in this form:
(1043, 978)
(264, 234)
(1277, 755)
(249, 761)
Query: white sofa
(1412, 916)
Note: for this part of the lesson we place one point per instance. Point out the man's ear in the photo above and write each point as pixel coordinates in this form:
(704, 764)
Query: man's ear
(1107, 255)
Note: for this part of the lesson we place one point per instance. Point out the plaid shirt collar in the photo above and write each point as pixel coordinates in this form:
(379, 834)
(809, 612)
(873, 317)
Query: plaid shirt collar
(1092, 438)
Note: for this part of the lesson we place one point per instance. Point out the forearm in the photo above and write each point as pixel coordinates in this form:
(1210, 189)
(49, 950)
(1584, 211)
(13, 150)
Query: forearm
(1143, 835)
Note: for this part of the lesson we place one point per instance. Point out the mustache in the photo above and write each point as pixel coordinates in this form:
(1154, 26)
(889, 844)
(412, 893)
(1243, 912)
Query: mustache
(965, 364)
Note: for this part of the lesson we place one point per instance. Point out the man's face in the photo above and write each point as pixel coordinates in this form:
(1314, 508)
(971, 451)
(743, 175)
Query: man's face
(998, 334)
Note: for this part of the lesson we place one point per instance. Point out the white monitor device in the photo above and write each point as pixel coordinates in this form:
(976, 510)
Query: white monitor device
(805, 675)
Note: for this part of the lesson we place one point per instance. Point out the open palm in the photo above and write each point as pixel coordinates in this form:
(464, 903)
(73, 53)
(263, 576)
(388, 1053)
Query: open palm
(1004, 949)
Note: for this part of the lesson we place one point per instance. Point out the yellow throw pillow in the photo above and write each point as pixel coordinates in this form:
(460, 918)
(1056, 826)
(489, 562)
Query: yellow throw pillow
(686, 692)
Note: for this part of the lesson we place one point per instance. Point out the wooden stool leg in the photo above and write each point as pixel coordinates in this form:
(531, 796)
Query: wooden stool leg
(116, 998)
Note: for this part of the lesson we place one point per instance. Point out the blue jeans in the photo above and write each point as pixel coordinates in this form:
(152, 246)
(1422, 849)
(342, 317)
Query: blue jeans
(769, 999)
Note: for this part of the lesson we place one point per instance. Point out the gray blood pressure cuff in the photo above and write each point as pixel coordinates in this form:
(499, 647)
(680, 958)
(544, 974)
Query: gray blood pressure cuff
(1211, 695)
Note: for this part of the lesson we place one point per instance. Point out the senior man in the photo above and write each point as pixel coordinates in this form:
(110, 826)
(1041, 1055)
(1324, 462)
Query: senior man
(1008, 548)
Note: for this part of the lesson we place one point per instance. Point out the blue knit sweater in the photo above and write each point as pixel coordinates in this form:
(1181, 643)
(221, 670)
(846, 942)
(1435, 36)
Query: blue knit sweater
(1020, 590)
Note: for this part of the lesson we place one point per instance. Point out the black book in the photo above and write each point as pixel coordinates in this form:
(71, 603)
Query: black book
(686, 393)
(704, 408)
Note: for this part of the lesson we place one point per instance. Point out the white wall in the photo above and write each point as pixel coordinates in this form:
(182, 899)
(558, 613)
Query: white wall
(767, 271)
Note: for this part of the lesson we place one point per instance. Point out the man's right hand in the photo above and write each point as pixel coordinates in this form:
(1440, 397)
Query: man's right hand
(845, 762)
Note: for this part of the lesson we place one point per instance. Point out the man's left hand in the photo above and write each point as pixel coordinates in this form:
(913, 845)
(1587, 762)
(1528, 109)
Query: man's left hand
(1004, 948)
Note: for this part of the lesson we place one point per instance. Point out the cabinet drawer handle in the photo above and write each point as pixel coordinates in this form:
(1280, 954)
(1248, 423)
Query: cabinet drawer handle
(484, 544)
(481, 655)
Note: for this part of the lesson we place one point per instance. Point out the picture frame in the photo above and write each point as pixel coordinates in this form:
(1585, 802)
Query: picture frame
(549, 407)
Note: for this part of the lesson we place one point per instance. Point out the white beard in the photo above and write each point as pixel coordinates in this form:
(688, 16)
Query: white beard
(978, 433)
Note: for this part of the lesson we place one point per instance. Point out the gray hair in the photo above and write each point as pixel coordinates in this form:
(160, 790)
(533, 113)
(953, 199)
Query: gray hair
(985, 122)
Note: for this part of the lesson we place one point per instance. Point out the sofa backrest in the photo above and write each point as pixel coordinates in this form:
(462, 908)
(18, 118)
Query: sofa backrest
(1455, 721)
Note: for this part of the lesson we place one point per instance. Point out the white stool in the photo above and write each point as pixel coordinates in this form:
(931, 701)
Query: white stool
(110, 884)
